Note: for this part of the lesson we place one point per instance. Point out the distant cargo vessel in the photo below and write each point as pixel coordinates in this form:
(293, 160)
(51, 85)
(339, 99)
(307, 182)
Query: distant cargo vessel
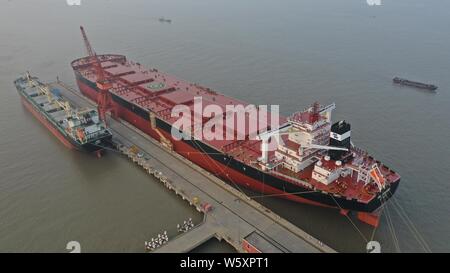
(75, 128)
(316, 163)
(420, 85)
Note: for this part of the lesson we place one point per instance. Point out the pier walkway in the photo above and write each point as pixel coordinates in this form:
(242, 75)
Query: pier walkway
(186, 242)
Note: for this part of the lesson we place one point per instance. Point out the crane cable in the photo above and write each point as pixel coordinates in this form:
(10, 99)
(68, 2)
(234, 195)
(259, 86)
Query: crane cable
(281, 194)
(351, 221)
(417, 235)
(392, 229)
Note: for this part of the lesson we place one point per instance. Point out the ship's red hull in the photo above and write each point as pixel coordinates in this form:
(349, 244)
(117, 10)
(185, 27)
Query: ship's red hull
(47, 124)
(231, 170)
(200, 159)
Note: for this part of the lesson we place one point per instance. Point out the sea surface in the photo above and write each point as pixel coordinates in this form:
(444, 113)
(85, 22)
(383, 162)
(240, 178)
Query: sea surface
(287, 52)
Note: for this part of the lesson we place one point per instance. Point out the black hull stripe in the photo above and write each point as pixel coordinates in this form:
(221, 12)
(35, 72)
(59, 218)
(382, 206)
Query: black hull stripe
(275, 182)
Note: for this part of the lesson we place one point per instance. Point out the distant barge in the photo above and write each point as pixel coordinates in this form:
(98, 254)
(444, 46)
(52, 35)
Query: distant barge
(164, 20)
(80, 129)
(420, 85)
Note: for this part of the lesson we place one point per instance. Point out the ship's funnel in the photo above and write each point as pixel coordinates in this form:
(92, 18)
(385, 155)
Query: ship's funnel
(340, 137)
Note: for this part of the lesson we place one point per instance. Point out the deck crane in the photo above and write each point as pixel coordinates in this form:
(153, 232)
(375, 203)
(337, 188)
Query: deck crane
(103, 84)
(45, 89)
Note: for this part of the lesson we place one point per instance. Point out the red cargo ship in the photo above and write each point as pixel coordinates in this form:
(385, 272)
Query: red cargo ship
(316, 163)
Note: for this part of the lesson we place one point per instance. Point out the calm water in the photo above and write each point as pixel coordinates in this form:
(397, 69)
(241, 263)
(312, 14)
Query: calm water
(288, 52)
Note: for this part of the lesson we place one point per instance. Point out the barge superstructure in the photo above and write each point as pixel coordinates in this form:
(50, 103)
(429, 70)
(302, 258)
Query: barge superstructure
(315, 163)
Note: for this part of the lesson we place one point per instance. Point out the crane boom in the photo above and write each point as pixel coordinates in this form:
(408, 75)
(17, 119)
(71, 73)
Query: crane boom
(278, 131)
(87, 44)
(94, 59)
(324, 147)
(288, 129)
(103, 84)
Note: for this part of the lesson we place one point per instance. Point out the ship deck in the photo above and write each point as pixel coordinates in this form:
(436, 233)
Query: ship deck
(53, 106)
(52, 110)
(160, 92)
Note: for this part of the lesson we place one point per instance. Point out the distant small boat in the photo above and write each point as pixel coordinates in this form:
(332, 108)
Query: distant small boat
(420, 85)
(163, 20)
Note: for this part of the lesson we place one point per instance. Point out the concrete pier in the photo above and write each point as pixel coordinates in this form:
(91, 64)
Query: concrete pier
(233, 215)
